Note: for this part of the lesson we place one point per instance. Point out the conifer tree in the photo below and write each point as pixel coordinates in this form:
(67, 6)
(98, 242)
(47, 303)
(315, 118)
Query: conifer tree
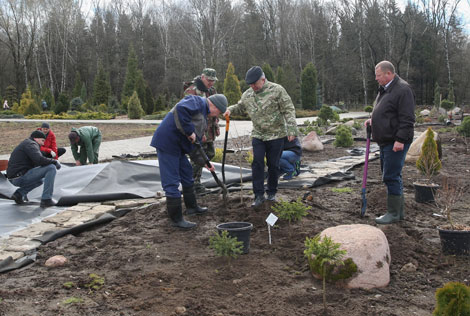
(101, 87)
(132, 76)
(160, 103)
(134, 108)
(268, 72)
(308, 87)
(11, 95)
(280, 78)
(49, 98)
(62, 104)
(77, 89)
(83, 93)
(28, 104)
(231, 85)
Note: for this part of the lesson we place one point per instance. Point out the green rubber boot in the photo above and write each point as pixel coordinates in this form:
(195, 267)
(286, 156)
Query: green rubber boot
(393, 210)
(402, 207)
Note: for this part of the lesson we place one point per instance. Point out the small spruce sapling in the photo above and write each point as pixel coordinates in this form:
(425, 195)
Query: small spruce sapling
(453, 299)
(226, 246)
(428, 162)
(290, 211)
(343, 137)
(327, 252)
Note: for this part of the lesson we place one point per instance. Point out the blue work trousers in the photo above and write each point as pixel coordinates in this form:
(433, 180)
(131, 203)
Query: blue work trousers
(272, 150)
(391, 164)
(174, 169)
(34, 178)
(287, 162)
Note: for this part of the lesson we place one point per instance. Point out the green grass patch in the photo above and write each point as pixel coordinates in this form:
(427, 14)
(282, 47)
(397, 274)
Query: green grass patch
(342, 190)
(73, 300)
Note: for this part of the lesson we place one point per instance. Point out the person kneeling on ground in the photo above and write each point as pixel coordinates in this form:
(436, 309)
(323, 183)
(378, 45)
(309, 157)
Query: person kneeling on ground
(290, 158)
(173, 139)
(49, 149)
(89, 140)
(28, 169)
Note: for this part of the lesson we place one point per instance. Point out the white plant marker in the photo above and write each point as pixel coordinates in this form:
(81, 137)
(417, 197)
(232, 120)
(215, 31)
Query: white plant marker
(271, 220)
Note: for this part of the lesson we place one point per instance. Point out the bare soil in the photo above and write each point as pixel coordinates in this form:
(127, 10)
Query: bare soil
(13, 133)
(150, 268)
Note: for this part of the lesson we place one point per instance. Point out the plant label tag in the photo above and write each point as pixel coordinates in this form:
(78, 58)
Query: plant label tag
(272, 219)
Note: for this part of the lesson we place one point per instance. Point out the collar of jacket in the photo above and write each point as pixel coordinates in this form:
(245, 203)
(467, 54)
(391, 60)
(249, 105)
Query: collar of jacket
(200, 85)
(262, 88)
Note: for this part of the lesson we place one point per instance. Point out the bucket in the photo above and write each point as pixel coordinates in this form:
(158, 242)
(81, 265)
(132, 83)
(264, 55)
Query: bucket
(455, 242)
(425, 193)
(240, 230)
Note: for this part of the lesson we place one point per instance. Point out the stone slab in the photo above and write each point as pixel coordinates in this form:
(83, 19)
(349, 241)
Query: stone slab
(34, 230)
(13, 254)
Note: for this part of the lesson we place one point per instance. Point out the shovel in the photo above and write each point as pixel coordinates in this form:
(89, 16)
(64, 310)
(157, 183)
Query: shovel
(364, 177)
(208, 163)
(227, 123)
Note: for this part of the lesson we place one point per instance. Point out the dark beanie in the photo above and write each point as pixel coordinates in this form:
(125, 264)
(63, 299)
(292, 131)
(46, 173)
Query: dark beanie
(45, 125)
(73, 136)
(38, 134)
(253, 74)
(220, 102)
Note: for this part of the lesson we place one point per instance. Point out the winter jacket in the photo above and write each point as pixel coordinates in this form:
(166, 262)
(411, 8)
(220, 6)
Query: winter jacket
(168, 137)
(293, 146)
(393, 116)
(49, 144)
(89, 135)
(27, 155)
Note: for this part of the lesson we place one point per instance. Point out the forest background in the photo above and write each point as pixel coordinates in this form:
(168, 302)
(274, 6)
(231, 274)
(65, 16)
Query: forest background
(86, 59)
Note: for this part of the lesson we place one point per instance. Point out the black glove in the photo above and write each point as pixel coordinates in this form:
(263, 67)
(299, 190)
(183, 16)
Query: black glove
(57, 164)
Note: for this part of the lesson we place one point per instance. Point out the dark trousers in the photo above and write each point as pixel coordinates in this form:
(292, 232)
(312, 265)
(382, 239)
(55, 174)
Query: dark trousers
(174, 169)
(272, 150)
(391, 163)
(60, 152)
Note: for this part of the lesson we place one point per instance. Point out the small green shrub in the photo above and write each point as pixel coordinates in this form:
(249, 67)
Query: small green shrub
(428, 162)
(342, 190)
(225, 246)
(77, 116)
(452, 300)
(102, 108)
(464, 128)
(156, 116)
(343, 137)
(357, 125)
(73, 300)
(76, 103)
(447, 104)
(134, 108)
(368, 109)
(309, 127)
(419, 119)
(290, 211)
(326, 113)
(69, 285)
(96, 282)
(219, 153)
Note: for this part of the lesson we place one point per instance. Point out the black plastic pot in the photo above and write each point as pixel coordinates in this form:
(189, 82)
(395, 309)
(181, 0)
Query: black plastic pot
(424, 193)
(455, 242)
(240, 230)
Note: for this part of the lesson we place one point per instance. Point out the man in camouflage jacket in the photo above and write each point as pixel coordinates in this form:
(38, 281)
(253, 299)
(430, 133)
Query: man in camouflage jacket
(273, 116)
(203, 86)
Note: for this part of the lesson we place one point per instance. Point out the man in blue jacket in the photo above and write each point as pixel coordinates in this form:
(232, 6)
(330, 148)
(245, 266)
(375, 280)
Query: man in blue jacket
(173, 139)
(28, 169)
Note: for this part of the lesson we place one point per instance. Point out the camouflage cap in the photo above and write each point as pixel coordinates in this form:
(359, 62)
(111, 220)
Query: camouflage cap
(209, 73)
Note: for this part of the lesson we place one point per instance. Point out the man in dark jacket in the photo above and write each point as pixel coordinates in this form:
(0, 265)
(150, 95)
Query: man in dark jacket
(289, 163)
(28, 169)
(392, 122)
(173, 139)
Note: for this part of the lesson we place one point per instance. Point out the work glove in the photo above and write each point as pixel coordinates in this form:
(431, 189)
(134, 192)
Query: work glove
(57, 164)
(53, 154)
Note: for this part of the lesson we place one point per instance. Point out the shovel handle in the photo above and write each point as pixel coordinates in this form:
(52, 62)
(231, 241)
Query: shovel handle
(227, 122)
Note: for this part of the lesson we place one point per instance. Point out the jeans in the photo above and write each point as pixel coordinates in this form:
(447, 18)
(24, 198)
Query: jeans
(272, 149)
(391, 164)
(174, 169)
(287, 162)
(34, 178)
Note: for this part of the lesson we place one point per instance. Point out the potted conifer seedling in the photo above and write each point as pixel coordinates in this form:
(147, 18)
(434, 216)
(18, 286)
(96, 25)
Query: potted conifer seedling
(455, 237)
(428, 165)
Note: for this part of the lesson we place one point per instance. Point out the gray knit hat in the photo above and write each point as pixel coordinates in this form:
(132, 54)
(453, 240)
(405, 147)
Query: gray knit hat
(220, 101)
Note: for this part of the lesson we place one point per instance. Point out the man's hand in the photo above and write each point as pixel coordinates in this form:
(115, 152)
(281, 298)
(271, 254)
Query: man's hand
(368, 122)
(53, 154)
(397, 146)
(57, 164)
(204, 139)
(290, 138)
(192, 137)
(211, 169)
(77, 163)
(227, 113)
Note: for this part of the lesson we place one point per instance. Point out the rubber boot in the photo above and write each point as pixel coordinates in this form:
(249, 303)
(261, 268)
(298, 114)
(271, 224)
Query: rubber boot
(393, 210)
(259, 200)
(175, 212)
(402, 207)
(190, 201)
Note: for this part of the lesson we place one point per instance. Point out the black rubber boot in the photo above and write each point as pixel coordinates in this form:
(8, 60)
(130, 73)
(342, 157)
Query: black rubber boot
(393, 210)
(190, 201)
(175, 212)
(402, 207)
(259, 200)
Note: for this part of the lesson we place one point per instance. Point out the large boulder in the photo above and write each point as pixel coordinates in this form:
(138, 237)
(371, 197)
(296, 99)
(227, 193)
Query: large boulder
(425, 113)
(415, 149)
(368, 247)
(312, 142)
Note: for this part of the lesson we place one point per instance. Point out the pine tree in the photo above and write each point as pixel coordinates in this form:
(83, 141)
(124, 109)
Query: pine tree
(268, 72)
(280, 78)
(101, 87)
(308, 87)
(132, 76)
(83, 93)
(62, 104)
(149, 101)
(11, 95)
(77, 89)
(28, 105)
(160, 103)
(231, 85)
(49, 98)
(134, 109)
